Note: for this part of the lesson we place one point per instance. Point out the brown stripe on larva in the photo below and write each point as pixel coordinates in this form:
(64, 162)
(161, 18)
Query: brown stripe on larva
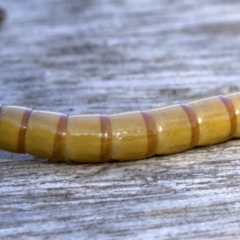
(106, 138)
(23, 129)
(60, 138)
(193, 123)
(152, 133)
(232, 114)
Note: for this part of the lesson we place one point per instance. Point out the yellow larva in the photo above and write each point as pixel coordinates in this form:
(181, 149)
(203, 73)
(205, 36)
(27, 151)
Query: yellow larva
(126, 136)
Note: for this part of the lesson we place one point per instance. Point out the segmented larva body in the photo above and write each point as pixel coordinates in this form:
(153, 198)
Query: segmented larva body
(125, 136)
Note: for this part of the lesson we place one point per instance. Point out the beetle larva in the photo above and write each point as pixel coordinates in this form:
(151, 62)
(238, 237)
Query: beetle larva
(125, 136)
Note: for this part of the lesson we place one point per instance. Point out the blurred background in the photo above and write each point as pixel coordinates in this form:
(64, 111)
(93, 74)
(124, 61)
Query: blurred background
(85, 56)
(107, 56)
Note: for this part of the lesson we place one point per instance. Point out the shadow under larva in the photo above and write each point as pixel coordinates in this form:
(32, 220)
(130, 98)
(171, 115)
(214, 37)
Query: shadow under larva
(125, 136)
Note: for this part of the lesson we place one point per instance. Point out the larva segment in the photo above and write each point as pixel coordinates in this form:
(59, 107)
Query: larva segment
(232, 114)
(152, 133)
(193, 120)
(83, 138)
(235, 99)
(213, 118)
(130, 137)
(174, 129)
(41, 132)
(60, 138)
(12, 128)
(23, 129)
(106, 138)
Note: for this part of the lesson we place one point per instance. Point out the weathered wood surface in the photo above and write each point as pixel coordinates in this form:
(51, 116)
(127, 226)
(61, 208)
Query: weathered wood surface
(110, 56)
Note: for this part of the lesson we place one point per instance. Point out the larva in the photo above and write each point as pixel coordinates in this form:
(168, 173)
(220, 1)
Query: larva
(125, 136)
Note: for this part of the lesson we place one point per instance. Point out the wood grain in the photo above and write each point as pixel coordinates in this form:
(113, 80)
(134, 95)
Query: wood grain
(111, 56)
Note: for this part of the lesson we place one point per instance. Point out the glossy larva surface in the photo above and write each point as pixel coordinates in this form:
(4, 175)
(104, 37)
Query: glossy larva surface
(126, 136)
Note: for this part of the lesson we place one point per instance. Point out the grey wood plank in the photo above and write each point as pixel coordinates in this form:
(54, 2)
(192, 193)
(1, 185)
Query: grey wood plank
(110, 56)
